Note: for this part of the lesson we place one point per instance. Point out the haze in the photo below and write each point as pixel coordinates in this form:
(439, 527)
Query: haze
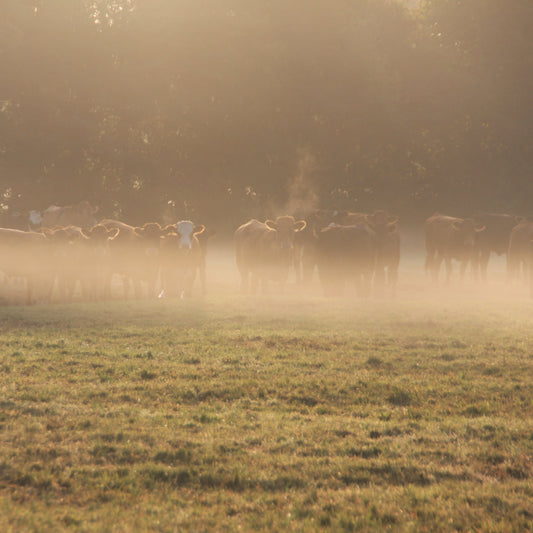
(220, 111)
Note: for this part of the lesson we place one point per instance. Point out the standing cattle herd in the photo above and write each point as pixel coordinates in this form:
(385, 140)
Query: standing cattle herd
(67, 252)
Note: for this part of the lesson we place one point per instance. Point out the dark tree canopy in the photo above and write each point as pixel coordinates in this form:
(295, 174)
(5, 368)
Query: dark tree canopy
(226, 109)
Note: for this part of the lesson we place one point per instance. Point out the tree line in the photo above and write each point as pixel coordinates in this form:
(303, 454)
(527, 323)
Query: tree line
(219, 110)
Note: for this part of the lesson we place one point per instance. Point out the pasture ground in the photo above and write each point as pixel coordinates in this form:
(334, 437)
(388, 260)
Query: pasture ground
(275, 413)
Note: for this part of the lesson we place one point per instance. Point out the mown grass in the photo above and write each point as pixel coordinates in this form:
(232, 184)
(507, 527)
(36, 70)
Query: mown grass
(282, 414)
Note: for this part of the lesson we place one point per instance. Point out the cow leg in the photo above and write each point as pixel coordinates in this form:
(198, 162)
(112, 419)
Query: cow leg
(379, 280)
(513, 266)
(201, 272)
(189, 282)
(245, 275)
(392, 279)
(435, 268)
(430, 265)
(483, 259)
(464, 264)
(449, 268)
(29, 290)
(254, 281)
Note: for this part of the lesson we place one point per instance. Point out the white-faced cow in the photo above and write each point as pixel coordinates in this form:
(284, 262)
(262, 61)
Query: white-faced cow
(181, 258)
(449, 238)
(265, 251)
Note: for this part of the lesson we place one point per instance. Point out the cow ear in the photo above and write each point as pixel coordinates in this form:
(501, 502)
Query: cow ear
(198, 228)
(300, 225)
(479, 229)
(86, 233)
(138, 231)
(271, 224)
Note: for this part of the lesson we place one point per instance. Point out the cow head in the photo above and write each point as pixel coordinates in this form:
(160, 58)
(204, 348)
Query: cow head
(320, 218)
(100, 234)
(84, 213)
(285, 227)
(381, 222)
(466, 230)
(35, 218)
(186, 231)
(151, 231)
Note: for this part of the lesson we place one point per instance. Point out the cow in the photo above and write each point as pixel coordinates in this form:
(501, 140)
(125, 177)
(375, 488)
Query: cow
(449, 238)
(346, 257)
(265, 251)
(26, 254)
(350, 218)
(305, 256)
(94, 260)
(495, 239)
(80, 214)
(387, 249)
(182, 256)
(134, 256)
(519, 252)
(10, 219)
(203, 238)
(63, 259)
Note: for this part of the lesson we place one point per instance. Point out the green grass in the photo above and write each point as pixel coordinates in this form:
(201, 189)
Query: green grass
(267, 414)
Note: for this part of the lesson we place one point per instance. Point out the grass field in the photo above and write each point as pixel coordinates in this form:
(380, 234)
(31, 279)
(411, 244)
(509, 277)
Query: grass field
(278, 413)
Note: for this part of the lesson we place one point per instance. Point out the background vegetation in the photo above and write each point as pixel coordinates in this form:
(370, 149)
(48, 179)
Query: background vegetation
(233, 108)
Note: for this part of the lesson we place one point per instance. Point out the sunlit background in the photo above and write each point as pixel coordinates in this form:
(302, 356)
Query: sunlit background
(229, 109)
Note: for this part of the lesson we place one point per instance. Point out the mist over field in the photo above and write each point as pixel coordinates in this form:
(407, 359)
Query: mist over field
(224, 230)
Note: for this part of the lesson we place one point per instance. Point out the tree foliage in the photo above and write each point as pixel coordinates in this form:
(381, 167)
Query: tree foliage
(225, 109)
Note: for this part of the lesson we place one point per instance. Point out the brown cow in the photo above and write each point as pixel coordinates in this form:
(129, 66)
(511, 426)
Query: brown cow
(495, 239)
(449, 238)
(94, 267)
(519, 253)
(305, 253)
(134, 256)
(181, 257)
(346, 257)
(266, 250)
(80, 214)
(203, 238)
(387, 247)
(26, 254)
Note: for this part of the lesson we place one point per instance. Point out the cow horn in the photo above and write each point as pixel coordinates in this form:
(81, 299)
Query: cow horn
(198, 228)
(300, 225)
